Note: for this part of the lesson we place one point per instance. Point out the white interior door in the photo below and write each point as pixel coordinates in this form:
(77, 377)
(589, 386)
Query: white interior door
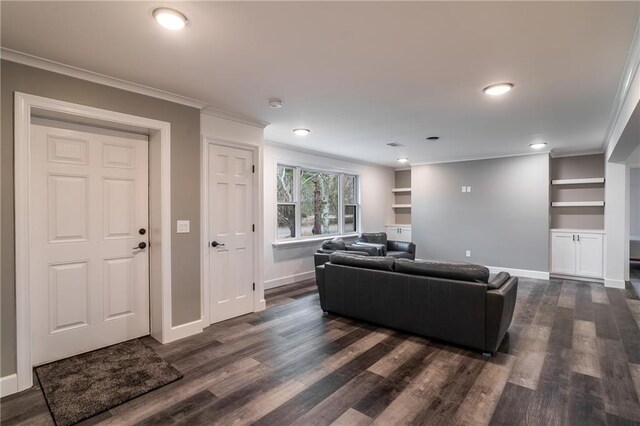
(563, 253)
(230, 232)
(88, 205)
(590, 255)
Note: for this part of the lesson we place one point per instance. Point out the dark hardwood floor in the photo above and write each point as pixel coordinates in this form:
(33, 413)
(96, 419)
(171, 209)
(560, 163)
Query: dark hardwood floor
(571, 357)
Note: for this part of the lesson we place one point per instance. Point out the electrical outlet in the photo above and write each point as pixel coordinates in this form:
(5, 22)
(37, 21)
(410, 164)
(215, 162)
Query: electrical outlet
(464, 189)
(468, 253)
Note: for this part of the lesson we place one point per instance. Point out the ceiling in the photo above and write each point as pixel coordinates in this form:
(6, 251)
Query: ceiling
(363, 74)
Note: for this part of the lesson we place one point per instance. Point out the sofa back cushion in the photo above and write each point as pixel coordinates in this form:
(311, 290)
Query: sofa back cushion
(367, 262)
(380, 249)
(334, 244)
(374, 237)
(460, 271)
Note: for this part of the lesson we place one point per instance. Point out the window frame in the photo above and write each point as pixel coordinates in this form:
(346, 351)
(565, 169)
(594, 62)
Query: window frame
(297, 174)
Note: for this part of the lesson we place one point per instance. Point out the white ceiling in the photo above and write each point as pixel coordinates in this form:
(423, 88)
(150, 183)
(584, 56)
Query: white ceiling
(363, 74)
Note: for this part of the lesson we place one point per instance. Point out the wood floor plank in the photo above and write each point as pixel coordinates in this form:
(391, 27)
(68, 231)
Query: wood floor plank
(479, 405)
(586, 406)
(352, 417)
(626, 324)
(620, 395)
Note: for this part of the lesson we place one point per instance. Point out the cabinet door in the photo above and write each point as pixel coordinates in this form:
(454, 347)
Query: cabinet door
(406, 234)
(589, 254)
(563, 253)
(392, 233)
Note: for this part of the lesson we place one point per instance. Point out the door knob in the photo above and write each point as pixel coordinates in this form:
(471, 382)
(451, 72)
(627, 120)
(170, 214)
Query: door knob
(141, 246)
(142, 231)
(216, 244)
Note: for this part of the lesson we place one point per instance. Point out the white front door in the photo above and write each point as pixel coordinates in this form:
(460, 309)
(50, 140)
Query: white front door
(230, 232)
(88, 214)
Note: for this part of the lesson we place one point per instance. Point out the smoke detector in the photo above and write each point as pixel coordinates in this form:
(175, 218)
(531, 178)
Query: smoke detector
(275, 104)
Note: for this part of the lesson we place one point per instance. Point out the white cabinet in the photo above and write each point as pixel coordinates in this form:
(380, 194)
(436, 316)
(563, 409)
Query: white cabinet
(398, 232)
(577, 253)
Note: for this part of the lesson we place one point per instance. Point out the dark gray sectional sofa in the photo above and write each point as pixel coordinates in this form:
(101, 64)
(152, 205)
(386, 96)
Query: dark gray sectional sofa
(454, 302)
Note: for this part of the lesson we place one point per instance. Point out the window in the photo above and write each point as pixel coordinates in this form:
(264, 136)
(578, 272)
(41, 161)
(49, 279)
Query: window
(315, 202)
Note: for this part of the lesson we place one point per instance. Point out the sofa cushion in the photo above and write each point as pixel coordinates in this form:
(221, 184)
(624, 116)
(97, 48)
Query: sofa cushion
(499, 280)
(334, 244)
(374, 237)
(381, 248)
(400, 254)
(369, 251)
(461, 271)
(367, 262)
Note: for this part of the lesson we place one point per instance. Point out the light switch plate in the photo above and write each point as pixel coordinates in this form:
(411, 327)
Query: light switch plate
(464, 189)
(468, 253)
(183, 227)
(468, 189)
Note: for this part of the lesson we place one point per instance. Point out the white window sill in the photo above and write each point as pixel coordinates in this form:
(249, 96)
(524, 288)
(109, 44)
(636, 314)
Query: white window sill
(309, 240)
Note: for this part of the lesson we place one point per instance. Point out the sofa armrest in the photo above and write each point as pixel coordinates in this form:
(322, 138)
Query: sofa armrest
(321, 286)
(500, 304)
(401, 246)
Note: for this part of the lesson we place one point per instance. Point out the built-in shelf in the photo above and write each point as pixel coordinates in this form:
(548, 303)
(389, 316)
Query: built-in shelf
(401, 206)
(577, 181)
(577, 204)
(401, 190)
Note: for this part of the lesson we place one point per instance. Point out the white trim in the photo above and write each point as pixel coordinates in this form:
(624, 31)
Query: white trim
(396, 190)
(479, 157)
(525, 273)
(94, 77)
(577, 278)
(185, 330)
(555, 154)
(160, 168)
(8, 385)
(238, 118)
(580, 231)
(289, 279)
(310, 240)
(330, 156)
(259, 303)
(631, 67)
(400, 206)
(614, 283)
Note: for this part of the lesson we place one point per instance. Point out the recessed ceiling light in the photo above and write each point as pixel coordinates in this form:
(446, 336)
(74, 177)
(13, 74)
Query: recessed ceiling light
(498, 89)
(433, 138)
(403, 160)
(538, 145)
(170, 18)
(301, 132)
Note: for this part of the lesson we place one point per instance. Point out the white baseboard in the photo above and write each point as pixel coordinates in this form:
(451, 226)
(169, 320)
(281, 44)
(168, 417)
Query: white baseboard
(8, 385)
(184, 330)
(614, 283)
(289, 279)
(526, 273)
(576, 278)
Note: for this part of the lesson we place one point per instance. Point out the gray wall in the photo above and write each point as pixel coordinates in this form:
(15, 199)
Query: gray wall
(185, 184)
(504, 221)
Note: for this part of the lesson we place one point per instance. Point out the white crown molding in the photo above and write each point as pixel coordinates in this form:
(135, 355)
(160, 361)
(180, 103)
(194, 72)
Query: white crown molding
(322, 154)
(576, 153)
(59, 68)
(480, 157)
(631, 67)
(238, 118)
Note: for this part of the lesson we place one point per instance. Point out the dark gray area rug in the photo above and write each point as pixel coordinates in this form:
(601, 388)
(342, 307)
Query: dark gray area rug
(82, 386)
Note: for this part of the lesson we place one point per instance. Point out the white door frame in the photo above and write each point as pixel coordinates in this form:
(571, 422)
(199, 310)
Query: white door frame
(259, 303)
(159, 213)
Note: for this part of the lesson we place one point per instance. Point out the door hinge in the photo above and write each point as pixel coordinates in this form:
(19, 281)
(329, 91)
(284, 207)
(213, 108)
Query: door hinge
(253, 227)
(254, 286)
(253, 169)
